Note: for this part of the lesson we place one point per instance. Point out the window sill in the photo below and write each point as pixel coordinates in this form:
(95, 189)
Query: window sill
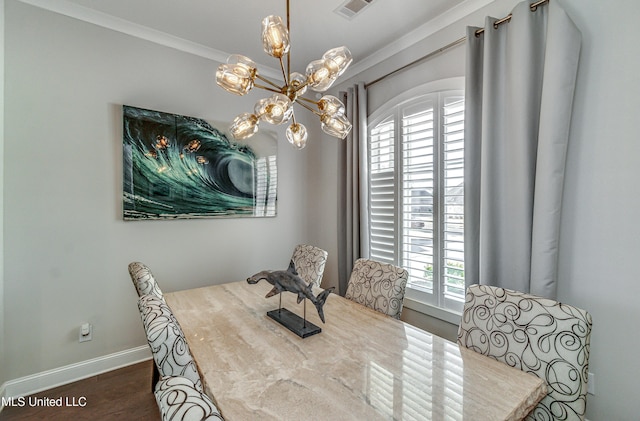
(432, 311)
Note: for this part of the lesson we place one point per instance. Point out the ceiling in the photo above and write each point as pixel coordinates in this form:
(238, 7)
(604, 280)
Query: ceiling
(233, 26)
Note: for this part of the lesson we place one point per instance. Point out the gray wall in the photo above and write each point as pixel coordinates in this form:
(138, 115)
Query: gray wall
(600, 234)
(66, 81)
(3, 377)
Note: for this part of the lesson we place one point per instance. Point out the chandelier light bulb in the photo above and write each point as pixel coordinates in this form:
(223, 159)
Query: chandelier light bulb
(337, 126)
(236, 78)
(228, 78)
(275, 37)
(321, 74)
(331, 105)
(297, 80)
(341, 56)
(276, 109)
(245, 125)
(297, 135)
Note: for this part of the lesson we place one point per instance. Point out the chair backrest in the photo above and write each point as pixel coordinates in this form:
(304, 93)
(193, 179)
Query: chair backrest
(179, 400)
(537, 335)
(309, 262)
(377, 285)
(143, 280)
(167, 342)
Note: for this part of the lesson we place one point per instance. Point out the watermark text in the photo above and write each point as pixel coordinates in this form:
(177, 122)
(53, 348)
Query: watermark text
(32, 401)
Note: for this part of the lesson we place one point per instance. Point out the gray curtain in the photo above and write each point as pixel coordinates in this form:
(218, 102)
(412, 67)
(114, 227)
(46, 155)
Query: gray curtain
(352, 200)
(520, 81)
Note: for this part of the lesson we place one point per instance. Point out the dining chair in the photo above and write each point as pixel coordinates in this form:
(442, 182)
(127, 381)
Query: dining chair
(378, 285)
(309, 262)
(143, 280)
(168, 345)
(179, 400)
(537, 335)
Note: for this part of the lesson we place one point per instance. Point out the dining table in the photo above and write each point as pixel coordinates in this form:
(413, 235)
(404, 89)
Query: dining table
(363, 365)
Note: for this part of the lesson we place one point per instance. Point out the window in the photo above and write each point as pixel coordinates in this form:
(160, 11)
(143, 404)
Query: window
(416, 194)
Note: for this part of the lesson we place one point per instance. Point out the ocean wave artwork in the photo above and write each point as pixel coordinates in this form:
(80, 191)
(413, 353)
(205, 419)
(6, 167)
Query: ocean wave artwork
(178, 167)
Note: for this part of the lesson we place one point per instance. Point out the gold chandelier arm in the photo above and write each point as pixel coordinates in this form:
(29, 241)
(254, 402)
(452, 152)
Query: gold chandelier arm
(264, 79)
(284, 73)
(266, 88)
(289, 53)
(307, 99)
(299, 87)
(308, 108)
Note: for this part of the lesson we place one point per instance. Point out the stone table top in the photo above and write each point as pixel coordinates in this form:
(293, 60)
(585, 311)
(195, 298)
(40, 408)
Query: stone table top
(362, 366)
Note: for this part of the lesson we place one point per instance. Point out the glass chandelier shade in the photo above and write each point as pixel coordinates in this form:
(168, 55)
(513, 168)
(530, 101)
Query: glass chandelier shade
(321, 74)
(340, 57)
(335, 125)
(331, 105)
(244, 126)
(276, 109)
(297, 135)
(275, 37)
(239, 75)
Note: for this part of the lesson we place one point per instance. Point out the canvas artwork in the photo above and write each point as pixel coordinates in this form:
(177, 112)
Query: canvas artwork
(184, 167)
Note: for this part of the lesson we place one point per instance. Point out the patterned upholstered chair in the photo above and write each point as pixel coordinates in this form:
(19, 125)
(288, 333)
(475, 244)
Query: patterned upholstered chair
(167, 342)
(539, 336)
(179, 400)
(143, 280)
(377, 285)
(309, 262)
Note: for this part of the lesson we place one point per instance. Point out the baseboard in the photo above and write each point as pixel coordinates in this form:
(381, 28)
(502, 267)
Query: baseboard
(68, 374)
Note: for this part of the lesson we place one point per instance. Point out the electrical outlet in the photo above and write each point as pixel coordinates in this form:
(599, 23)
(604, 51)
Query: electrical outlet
(86, 332)
(591, 384)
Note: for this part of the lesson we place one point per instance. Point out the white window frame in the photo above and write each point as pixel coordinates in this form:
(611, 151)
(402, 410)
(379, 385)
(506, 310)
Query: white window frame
(430, 304)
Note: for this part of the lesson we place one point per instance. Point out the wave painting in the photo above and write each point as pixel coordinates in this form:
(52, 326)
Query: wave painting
(182, 167)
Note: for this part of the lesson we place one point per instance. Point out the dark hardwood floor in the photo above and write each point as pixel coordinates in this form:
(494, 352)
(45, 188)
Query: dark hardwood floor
(123, 394)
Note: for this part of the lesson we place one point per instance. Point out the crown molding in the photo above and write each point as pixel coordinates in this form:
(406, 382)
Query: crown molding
(105, 20)
(85, 14)
(424, 31)
(76, 11)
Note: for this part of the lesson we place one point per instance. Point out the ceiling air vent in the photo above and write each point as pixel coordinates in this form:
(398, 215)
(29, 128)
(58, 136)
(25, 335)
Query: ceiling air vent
(350, 8)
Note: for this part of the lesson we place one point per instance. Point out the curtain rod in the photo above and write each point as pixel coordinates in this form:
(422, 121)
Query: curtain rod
(532, 6)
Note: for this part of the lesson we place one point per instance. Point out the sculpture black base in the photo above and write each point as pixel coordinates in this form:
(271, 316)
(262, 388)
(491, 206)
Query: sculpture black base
(294, 323)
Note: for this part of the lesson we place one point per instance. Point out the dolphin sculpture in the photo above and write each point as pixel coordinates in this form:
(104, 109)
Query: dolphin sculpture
(288, 280)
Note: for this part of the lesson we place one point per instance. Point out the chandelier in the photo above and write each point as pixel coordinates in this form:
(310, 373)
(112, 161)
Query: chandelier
(239, 75)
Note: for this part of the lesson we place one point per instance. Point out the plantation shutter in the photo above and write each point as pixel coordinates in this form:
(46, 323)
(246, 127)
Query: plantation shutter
(453, 193)
(382, 196)
(417, 194)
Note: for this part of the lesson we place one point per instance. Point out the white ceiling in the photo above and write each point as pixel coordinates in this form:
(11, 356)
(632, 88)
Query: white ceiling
(223, 27)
